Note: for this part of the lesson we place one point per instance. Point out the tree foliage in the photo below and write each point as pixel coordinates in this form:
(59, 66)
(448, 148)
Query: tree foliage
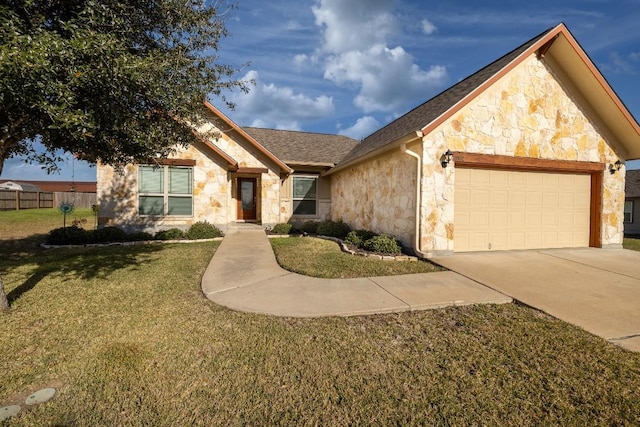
(107, 79)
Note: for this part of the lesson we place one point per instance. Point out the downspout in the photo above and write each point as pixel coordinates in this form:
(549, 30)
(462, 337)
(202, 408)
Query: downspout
(416, 243)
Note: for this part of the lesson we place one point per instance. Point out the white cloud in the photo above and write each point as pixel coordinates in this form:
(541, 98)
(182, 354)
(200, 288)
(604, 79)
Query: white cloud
(364, 126)
(354, 24)
(356, 54)
(300, 60)
(428, 27)
(269, 105)
(387, 78)
(634, 56)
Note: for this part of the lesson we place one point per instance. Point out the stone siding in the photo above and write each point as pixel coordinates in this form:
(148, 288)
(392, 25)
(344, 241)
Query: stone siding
(247, 156)
(527, 113)
(378, 195)
(214, 193)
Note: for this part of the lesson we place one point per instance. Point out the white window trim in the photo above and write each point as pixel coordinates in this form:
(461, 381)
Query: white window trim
(624, 215)
(293, 199)
(165, 195)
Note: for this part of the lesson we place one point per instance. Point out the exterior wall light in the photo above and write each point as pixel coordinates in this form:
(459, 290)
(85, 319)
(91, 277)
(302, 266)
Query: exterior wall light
(446, 158)
(615, 167)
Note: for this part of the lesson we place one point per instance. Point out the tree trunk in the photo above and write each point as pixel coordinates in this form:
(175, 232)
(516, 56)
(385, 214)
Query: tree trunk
(4, 303)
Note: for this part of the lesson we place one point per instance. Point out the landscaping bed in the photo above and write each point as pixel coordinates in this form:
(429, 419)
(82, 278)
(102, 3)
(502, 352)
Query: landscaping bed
(323, 258)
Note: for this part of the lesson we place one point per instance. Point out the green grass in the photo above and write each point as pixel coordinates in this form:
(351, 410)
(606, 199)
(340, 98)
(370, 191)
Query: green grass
(322, 258)
(632, 243)
(127, 337)
(27, 228)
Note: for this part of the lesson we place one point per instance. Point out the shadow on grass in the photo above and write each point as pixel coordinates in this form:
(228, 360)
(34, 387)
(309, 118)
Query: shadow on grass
(69, 263)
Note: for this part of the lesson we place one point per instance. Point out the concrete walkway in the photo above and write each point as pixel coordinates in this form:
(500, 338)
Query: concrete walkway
(244, 275)
(596, 289)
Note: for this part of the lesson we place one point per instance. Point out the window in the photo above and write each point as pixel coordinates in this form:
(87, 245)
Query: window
(165, 190)
(304, 195)
(628, 211)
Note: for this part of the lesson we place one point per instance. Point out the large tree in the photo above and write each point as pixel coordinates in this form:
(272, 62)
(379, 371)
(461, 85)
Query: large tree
(107, 79)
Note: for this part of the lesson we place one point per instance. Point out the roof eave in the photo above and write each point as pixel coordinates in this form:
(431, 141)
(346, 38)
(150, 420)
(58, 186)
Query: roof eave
(233, 163)
(598, 93)
(544, 42)
(413, 136)
(249, 138)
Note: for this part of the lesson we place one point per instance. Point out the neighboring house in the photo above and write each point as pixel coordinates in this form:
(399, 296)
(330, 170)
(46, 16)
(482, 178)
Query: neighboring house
(61, 186)
(18, 186)
(632, 203)
(522, 154)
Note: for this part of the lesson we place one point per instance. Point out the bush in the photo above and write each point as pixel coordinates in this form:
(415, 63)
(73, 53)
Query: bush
(358, 237)
(333, 229)
(170, 234)
(73, 235)
(281, 228)
(383, 244)
(140, 236)
(310, 227)
(203, 230)
(108, 234)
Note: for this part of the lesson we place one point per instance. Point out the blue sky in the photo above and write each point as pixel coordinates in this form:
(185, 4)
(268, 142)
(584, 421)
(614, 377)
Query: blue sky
(349, 67)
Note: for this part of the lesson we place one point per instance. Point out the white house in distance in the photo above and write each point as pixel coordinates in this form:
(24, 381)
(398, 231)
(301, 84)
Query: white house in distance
(526, 153)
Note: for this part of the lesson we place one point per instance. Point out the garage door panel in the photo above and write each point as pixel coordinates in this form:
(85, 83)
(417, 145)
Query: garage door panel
(480, 197)
(498, 209)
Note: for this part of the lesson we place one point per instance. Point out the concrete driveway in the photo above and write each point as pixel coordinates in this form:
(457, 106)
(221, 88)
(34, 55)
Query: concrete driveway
(596, 289)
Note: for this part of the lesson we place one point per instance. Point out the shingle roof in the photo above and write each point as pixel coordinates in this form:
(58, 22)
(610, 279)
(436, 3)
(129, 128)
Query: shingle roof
(303, 147)
(424, 114)
(632, 183)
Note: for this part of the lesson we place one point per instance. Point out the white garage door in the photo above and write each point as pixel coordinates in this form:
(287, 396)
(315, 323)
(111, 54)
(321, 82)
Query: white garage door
(500, 210)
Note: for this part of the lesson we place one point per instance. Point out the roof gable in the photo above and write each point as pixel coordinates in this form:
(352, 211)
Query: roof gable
(234, 127)
(435, 111)
(295, 147)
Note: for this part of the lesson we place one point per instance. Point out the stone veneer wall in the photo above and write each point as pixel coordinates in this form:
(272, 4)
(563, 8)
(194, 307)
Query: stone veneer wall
(527, 113)
(378, 195)
(213, 190)
(247, 156)
(118, 194)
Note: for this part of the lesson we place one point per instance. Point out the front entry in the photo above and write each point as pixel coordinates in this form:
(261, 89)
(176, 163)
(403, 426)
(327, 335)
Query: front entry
(247, 198)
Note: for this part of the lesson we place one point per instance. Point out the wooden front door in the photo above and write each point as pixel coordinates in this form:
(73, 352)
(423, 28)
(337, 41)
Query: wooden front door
(247, 198)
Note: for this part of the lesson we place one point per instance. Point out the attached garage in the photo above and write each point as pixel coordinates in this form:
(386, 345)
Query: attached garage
(503, 209)
(526, 153)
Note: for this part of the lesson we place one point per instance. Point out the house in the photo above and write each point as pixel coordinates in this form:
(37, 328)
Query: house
(632, 203)
(18, 186)
(61, 186)
(526, 153)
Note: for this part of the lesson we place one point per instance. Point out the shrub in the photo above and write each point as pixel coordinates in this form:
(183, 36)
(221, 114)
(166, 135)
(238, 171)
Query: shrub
(333, 229)
(203, 230)
(73, 235)
(310, 227)
(358, 237)
(108, 234)
(170, 234)
(281, 228)
(140, 236)
(383, 244)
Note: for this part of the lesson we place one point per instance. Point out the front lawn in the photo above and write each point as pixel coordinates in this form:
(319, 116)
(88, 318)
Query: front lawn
(128, 339)
(632, 243)
(323, 258)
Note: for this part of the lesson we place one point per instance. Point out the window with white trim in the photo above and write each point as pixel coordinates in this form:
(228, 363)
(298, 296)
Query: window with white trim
(165, 190)
(304, 194)
(628, 211)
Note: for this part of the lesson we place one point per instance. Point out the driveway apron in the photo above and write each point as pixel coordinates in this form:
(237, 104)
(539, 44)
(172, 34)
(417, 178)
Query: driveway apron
(596, 289)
